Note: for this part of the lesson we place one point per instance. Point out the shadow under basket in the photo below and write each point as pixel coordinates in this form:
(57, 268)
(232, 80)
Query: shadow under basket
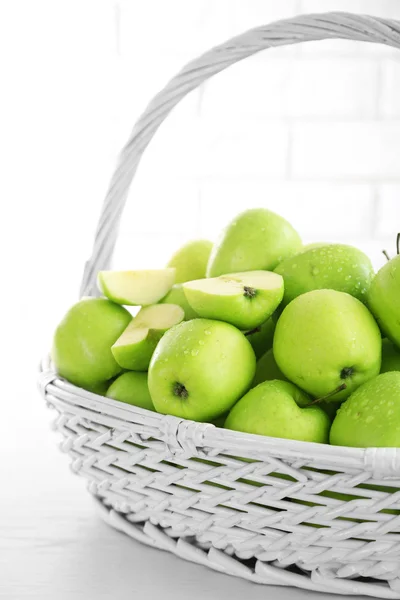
(269, 510)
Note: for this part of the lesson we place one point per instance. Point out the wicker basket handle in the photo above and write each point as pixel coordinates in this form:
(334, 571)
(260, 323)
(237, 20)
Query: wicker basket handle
(290, 31)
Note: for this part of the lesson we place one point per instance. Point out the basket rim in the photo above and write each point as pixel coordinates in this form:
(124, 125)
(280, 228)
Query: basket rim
(383, 461)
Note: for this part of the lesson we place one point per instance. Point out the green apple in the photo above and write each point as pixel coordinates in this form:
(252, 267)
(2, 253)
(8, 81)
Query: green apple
(245, 300)
(100, 387)
(136, 288)
(279, 409)
(267, 369)
(177, 296)
(313, 245)
(134, 348)
(131, 388)
(384, 299)
(82, 342)
(326, 339)
(191, 260)
(261, 337)
(371, 416)
(334, 266)
(199, 369)
(256, 239)
(390, 357)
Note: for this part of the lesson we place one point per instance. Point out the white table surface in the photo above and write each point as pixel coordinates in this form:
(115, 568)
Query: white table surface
(53, 546)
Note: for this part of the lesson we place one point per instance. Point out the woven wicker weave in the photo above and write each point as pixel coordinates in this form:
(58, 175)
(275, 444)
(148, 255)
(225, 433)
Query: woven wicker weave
(276, 515)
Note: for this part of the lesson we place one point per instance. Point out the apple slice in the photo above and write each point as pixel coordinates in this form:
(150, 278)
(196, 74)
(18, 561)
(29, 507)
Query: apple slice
(134, 348)
(245, 300)
(136, 288)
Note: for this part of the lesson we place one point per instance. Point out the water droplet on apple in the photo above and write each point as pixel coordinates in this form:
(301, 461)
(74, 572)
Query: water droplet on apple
(369, 419)
(348, 277)
(201, 343)
(340, 269)
(207, 332)
(194, 352)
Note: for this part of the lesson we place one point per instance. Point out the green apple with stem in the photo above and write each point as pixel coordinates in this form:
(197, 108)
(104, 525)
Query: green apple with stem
(136, 288)
(384, 297)
(245, 300)
(257, 239)
(324, 339)
(191, 260)
(371, 415)
(333, 266)
(177, 296)
(131, 388)
(390, 357)
(134, 348)
(267, 369)
(199, 369)
(261, 337)
(82, 342)
(279, 409)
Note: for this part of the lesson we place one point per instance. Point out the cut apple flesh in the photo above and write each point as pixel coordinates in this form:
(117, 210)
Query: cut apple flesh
(159, 316)
(134, 348)
(245, 300)
(235, 284)
(136, 288)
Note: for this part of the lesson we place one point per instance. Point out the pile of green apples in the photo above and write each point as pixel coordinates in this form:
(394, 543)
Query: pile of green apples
(256, 333)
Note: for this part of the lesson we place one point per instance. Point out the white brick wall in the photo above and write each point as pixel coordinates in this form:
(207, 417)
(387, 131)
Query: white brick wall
(311, 131)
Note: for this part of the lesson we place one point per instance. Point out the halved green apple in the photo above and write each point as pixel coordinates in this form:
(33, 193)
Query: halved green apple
(134, 348)
(136, 288)
(245, 300)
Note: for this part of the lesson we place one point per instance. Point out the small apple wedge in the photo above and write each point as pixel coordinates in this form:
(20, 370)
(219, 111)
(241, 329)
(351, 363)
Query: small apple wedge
(136, 288)
(134, 348)
(245, 300)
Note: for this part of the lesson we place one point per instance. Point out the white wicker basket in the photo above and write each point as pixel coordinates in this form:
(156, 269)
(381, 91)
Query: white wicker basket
(182, 486)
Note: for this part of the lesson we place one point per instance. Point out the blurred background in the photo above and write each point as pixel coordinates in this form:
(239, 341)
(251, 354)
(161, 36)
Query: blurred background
(311, 131)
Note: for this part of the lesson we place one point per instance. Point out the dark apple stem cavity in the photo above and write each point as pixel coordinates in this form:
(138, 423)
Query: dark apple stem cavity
(249, 292)
(340, 388)
(180, 391)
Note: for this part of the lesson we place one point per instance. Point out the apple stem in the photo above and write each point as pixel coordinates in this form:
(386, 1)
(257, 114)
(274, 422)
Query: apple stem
(255, 330)
(398, 243)
(385, 252)
(340, 388)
